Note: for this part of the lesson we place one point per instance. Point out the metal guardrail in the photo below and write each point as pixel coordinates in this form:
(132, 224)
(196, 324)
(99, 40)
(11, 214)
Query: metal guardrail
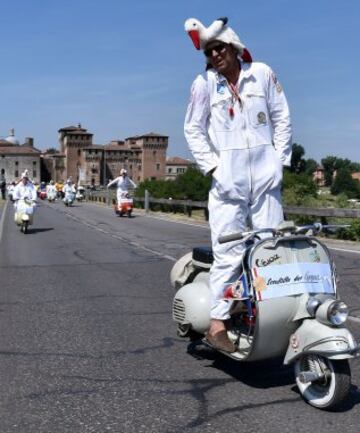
(187, 206)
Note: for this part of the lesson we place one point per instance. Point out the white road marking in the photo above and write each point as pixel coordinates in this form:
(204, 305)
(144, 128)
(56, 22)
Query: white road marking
(3, 218)
(344, 250)
(120, 238)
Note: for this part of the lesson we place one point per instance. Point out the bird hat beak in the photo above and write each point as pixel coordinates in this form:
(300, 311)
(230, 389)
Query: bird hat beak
(194, 35)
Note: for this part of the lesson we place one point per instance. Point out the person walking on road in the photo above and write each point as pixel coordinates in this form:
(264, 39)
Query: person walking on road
(3, 184)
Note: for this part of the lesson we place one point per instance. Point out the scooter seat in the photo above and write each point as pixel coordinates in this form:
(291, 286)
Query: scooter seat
(202, 257)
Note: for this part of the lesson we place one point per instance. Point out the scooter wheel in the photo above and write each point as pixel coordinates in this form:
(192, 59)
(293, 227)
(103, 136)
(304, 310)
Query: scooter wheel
(330, 392)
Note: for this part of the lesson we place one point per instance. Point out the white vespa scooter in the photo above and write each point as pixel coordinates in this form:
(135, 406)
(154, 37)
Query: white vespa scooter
(24, 214)
(284, 304)
(69, 198)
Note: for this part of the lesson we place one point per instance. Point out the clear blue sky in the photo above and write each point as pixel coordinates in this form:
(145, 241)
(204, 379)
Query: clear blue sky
(123, 68)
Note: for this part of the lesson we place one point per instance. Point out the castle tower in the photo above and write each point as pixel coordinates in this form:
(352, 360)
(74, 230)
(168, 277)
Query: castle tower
(72, 139)
(153, 155)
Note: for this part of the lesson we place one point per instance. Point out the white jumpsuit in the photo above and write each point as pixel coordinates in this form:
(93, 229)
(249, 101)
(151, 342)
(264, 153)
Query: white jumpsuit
(123, 185)
(247, 144)
(68, 189)
(22, 191)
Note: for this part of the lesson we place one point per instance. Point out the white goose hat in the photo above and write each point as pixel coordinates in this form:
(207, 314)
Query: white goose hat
(25, 174)
(217, 31)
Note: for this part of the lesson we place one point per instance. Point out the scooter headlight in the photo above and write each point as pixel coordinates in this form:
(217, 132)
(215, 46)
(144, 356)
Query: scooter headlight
(337, 313)
(312, 305)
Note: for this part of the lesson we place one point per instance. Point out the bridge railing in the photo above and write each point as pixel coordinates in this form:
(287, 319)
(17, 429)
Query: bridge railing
(148, 203)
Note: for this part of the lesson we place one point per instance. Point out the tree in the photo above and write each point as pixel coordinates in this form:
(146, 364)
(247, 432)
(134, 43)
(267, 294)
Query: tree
(297, 161)
(329, 165)
(344, 183)
(51, 150)
(310, 166)
(191, 185)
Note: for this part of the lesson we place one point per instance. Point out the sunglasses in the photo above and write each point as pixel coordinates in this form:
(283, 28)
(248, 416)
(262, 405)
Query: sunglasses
(219, 48)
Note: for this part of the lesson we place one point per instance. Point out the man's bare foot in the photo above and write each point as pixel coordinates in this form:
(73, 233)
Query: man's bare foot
(218, 338)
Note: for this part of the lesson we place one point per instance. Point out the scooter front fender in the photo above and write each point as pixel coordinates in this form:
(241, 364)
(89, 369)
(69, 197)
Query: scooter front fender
(318, 338)
(25, 217)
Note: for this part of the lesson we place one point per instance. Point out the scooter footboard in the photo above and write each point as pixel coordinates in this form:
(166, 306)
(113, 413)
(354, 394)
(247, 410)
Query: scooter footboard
(315, 337)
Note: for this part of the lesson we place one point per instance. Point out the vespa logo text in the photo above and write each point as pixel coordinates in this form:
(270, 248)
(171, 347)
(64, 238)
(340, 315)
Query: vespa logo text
(266, 262)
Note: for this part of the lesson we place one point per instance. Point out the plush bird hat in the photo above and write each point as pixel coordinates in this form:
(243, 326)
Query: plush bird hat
(25, 174)
(217, 31)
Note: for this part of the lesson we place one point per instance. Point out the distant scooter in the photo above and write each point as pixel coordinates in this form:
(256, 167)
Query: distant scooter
(24, 215)
(80, 193)
(284, 304)
(51, 195)
(69, 198)
(124, 206)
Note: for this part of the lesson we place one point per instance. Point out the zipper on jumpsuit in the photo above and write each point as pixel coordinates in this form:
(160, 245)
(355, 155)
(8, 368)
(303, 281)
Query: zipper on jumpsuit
(245, 128)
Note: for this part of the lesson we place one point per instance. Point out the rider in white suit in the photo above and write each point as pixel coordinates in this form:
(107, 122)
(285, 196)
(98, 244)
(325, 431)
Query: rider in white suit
(238, 129)
(123, 184)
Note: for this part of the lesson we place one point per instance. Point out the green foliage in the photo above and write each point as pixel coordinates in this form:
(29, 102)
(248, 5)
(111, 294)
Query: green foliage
(310, 166)
(329, 165)
(342, 201)
(191, 185)
(298, 189)
(332, 164)
(344, 183)
(352, 233)
(51, 150)
(297, 161)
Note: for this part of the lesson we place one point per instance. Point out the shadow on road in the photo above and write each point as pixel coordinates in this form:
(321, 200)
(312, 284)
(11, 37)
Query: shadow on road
(32, 231)
(261, 374)
(257, 374)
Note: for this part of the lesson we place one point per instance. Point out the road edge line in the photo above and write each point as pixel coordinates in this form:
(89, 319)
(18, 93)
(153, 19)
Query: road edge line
(3, 218)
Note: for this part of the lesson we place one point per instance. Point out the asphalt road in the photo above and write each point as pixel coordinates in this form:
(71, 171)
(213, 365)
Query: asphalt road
(87, 341)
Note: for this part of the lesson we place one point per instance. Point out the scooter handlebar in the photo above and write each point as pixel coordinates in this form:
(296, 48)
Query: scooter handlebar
(229, 238)
(244, 236)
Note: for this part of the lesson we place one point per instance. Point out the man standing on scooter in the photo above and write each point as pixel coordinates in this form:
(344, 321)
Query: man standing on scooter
(238, 129)
(123, 183)
(25, 189)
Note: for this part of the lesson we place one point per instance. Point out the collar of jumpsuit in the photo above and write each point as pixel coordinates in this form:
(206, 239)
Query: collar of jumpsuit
(245, 72)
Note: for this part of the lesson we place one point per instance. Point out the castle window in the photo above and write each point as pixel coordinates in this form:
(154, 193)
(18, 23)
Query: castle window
(16, 173)
(34, 173)
(16, 162)
(79, 152)
(158, 167)
(34, 162)
(154, 152)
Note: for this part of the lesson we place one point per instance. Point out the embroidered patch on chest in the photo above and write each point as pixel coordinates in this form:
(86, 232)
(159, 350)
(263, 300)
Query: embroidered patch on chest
(261, 117)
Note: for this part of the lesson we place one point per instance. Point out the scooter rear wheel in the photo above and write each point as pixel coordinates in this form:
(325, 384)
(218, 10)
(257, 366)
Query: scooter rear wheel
(330, 392)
